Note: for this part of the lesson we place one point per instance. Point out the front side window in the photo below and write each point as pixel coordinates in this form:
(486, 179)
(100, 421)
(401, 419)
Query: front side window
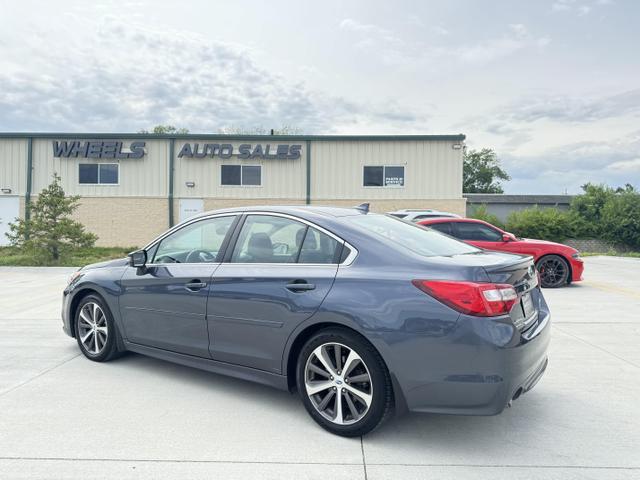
(98, 173)
(271, 239)
(420, 240)
(383, 176)
(199, 242)
(241, 175)
(476, 231)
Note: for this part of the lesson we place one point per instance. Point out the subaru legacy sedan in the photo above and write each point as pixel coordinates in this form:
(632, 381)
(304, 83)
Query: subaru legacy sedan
(362, 314)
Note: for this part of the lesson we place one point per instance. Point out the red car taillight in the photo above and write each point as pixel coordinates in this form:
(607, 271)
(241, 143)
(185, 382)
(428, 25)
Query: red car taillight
(478, 299)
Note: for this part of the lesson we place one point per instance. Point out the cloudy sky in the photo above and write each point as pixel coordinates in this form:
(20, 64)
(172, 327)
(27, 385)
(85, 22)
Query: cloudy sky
(552, 85)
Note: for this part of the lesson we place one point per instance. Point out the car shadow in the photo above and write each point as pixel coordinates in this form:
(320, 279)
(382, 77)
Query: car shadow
(410, 432)
(173, 372)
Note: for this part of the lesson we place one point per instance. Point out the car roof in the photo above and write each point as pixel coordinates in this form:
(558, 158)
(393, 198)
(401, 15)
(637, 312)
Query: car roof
(453, 219)
(300, 210)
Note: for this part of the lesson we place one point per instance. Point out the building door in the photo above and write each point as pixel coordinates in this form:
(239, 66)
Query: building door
(9, 211)
(190, 207)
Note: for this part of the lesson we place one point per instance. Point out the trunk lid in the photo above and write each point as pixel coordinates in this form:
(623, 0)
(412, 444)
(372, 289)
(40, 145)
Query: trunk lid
(522, 274)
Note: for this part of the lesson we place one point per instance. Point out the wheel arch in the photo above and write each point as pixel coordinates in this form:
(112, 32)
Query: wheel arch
(83, 293)
(295, 346)
(75, 301)
(563, 257)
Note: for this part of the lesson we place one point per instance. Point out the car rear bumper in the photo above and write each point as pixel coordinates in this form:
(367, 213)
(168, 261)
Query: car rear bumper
(489, 370)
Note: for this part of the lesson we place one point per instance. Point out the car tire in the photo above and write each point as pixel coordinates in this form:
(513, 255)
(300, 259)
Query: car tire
(95, 329)
(364, 389)
(554, 271)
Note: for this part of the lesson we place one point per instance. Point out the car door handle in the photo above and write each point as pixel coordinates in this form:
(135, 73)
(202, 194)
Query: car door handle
(195, 285)
(300, 286)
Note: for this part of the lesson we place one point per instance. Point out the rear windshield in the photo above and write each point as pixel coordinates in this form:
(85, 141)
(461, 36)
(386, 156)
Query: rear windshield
(420, 240)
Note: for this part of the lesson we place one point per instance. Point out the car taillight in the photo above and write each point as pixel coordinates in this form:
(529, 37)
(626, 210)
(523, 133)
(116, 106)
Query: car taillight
(478, 299)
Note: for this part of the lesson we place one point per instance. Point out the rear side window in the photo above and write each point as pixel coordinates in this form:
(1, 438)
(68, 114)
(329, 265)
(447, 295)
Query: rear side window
(317, 247)
(414, 237)
(271, 239)
(444, 227)
(477, 231)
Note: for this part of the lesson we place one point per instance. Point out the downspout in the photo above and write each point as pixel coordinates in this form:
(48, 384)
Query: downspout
(27, 193)
(308, 200)
(170, 195)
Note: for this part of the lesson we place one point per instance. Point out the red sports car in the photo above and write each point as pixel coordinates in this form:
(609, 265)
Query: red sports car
(558, 264)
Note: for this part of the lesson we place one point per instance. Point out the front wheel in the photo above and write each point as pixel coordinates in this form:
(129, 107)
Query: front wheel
(95, 329)
(554, 271)
(344, 383)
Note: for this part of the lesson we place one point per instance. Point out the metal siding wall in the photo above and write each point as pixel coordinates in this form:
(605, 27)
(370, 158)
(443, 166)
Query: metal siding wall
(13, 165)
(433, 169)
(280, 178)
(144, 177)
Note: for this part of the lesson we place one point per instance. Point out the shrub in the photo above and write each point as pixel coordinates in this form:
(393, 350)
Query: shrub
(481, 213)
(546, 224)
(589, 205)
(620, 219)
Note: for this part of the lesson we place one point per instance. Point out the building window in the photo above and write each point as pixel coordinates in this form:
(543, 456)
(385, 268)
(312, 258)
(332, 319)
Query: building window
(98, 173)
(242, 175)
(383, 176)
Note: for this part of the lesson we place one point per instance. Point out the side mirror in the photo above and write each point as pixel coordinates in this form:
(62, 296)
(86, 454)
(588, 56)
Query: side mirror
(138, 258)
(508, 237)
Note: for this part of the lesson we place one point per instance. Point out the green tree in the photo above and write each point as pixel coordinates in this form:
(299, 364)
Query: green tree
(50, 233)
(166, 130)
(482, 172)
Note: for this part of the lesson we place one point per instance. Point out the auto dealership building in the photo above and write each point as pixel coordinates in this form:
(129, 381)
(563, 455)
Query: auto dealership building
(134, 186)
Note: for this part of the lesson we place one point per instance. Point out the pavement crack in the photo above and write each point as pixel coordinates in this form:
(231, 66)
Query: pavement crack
(364, 461)
(598, 347)
(276, 462)
(44, 372)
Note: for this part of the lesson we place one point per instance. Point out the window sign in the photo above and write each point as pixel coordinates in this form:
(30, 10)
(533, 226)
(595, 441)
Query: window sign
(394, 176)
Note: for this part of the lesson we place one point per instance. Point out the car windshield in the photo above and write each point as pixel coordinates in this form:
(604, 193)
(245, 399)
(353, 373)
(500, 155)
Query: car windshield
(420, 240)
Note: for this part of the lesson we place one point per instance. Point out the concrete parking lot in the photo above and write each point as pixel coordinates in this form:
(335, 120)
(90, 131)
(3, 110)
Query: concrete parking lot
(62, 416)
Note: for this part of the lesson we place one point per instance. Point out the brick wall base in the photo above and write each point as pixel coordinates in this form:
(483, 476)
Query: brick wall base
(134, 221)
(123, 221)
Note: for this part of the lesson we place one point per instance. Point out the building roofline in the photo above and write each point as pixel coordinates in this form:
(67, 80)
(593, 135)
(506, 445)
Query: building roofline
(217, 136)
(516, 198)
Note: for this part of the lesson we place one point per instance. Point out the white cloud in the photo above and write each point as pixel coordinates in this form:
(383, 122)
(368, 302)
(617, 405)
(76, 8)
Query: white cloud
(582, 8)
(127, 76)
(627, 166)
(440, 30)
(564, 108)
(389, 47)
(615, 162)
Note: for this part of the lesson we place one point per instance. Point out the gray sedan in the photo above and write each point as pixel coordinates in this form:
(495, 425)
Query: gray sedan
(362, 314)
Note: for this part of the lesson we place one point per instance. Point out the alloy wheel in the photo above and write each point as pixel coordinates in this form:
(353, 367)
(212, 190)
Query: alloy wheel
(92, 328)
(553, 272)
(338, 383)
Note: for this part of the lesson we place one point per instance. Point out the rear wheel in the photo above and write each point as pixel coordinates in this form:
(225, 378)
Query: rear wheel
(554, 271)
(95, 329)
(344, 383)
